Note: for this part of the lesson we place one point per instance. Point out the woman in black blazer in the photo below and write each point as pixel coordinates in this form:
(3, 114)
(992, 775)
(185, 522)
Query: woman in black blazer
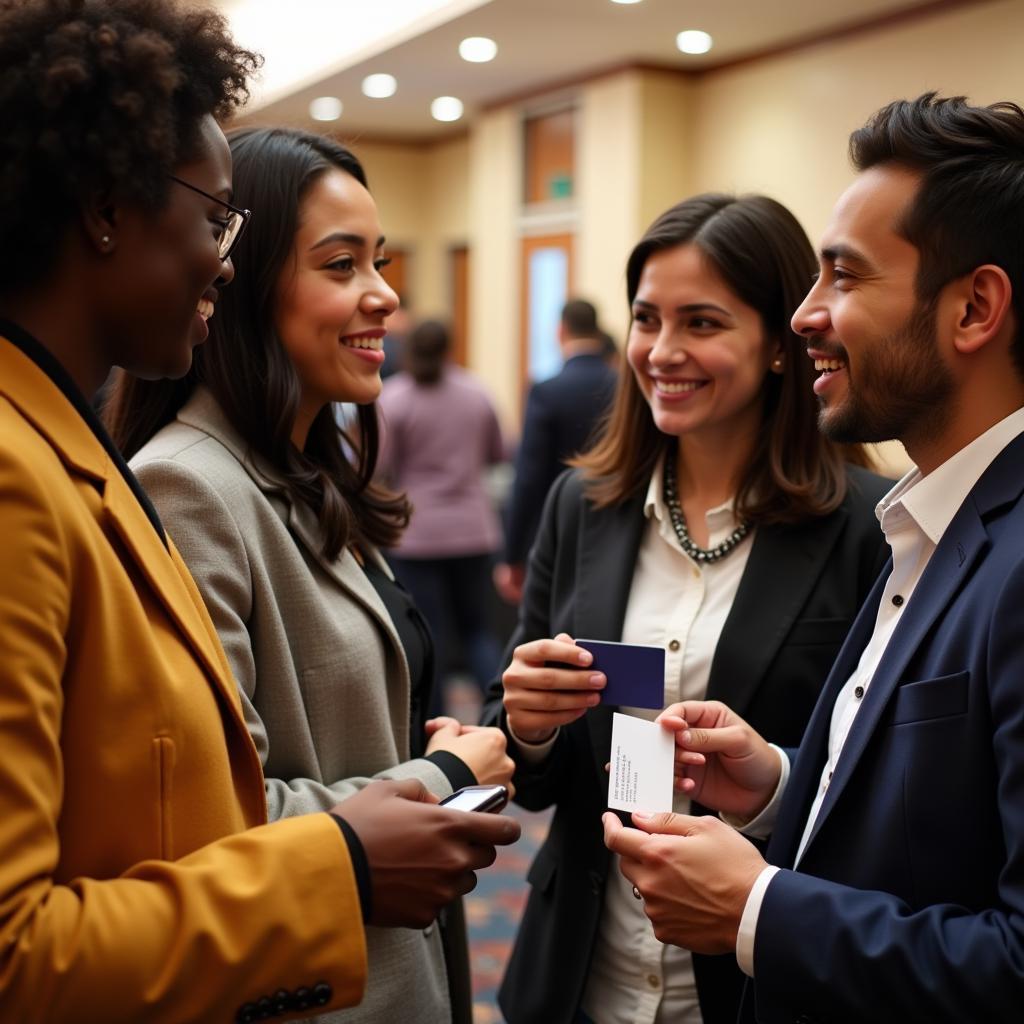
(712, 519)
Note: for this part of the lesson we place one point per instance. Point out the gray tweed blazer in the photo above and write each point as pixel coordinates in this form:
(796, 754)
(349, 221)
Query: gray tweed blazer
(323, 677)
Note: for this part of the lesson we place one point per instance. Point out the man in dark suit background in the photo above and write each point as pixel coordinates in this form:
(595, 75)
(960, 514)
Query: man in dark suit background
(561, 416)
(895, 890)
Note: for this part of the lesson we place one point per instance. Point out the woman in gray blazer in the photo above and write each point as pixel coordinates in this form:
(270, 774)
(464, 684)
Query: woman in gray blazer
(275, 511)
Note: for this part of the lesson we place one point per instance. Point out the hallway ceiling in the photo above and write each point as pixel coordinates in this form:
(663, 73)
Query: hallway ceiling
(547, 44)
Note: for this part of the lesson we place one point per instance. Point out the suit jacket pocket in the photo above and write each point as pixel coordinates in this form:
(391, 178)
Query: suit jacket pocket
(811, 632)
(930, 698)
(542, 871)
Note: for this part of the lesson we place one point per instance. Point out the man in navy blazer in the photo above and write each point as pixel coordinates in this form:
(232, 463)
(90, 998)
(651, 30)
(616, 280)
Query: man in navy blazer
(560, 419)
(894, 883)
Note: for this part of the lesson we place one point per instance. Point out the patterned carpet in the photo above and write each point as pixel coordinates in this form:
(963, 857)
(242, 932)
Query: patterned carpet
(493, 909)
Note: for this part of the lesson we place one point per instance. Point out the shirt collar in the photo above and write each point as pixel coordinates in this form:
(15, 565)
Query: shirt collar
(933, 500)
(720, 517)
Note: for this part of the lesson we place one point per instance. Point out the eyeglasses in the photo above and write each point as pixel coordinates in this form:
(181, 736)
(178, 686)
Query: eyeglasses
(231, 229)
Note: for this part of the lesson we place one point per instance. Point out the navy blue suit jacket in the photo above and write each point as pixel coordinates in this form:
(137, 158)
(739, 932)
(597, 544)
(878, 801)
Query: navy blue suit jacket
(908, 904)
(560, 418)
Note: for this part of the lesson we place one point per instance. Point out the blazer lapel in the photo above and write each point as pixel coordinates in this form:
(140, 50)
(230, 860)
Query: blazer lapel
(54, 416)
(813, 749)
(949, 567)
(345, 570)
(607, 550)
(763, 612)
(169, 578)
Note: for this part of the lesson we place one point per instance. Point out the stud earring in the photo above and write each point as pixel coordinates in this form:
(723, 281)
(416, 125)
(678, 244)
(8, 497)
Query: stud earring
(105, 240)
(777, 364)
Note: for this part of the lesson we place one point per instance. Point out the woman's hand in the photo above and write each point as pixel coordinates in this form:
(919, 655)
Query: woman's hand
(544, 691)
(721, 761)
(481, 748)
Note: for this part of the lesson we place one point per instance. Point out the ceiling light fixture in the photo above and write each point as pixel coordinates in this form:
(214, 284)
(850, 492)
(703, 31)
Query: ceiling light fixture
(446, 108)
(379, 87)
(693, 41)
(478, 49)
(325, 108)
(625, 1)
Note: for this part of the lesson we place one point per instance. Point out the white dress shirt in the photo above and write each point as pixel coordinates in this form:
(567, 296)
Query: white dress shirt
(681, 606)
(914, 515)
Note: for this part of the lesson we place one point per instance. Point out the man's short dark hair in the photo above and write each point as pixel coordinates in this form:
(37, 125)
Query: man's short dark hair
(101, 96)
(969, 208)
(579, 318)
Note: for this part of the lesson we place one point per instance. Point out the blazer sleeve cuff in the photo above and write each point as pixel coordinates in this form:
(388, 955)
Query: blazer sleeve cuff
(455, 769)
(532, 753)
(360, 866)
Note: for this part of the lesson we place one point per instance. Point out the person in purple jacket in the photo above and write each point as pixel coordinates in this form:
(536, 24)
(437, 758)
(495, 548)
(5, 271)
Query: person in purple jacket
(440, 433)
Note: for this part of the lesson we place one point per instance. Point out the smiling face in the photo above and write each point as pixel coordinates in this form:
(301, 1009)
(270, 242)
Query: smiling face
(874, 343)
(164, 267)
(698, 352)
(331, 299)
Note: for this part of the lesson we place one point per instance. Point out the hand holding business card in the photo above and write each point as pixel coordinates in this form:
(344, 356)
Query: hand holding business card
(635, 673)
(642, 760)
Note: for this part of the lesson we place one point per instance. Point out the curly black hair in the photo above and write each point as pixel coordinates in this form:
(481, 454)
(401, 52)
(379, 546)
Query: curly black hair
(101, 95)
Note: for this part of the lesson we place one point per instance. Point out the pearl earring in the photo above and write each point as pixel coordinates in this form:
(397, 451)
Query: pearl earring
(777, 364)
(105, 240)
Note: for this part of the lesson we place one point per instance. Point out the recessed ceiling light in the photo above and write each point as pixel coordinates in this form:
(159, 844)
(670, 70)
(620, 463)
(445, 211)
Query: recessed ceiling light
(693, 41)
(446, 108)
(379, 87)
(325, 108)
(478, 49)
(625, 1)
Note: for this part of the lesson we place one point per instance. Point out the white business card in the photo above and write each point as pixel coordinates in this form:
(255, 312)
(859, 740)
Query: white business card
(642, 757)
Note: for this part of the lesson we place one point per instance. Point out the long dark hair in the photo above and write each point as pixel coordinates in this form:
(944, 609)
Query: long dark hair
(247, 369)
(762, 253)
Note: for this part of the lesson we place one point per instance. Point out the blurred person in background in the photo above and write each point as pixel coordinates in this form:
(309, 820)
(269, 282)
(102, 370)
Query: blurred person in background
(713, 520)
(244, 461)
(441, 434)
(560, 420)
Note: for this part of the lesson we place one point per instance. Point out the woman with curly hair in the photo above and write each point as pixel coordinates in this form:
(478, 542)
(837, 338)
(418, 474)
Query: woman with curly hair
(133, 883)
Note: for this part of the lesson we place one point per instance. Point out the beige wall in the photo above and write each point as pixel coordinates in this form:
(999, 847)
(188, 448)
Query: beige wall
(495, 160)
(608, 186)
(421, 193)
(780, 125)
(632, 163)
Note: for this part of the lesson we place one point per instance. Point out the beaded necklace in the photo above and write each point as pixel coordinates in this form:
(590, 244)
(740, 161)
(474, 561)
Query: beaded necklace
(705, 556)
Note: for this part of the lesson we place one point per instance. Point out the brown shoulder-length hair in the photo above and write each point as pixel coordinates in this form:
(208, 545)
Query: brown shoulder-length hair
(762, 253)
(247, 369)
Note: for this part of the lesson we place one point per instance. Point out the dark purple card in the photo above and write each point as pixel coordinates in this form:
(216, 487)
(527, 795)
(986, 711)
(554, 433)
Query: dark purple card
(635, 673)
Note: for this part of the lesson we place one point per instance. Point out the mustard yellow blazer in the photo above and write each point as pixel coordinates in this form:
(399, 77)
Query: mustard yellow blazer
(135, 885)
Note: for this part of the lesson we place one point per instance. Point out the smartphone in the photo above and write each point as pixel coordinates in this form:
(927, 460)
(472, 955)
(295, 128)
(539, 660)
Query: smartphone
(477, 798)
